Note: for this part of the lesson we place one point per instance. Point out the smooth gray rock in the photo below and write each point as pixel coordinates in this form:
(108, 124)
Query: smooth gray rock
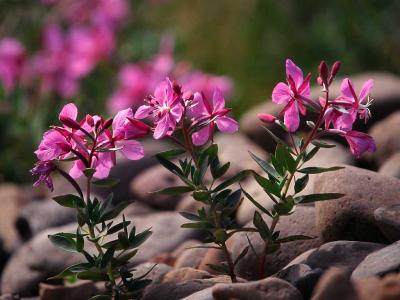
(388, 220)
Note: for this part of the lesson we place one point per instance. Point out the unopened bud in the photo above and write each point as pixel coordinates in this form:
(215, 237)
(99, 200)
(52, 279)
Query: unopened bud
(107, 123)
(188, 95)
(89, 120)
(266, 118)
(335, 68)
(177, 88)
(69, 122)
(323, 72)
(320, 81)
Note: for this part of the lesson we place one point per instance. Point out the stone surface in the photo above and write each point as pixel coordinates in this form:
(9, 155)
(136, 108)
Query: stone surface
(81, 290)
(334, 285)
(40, 215)
(300, 222)
(352, 216)
(301, 259)
(173, 290)
(156, 274)
(373, 288)
(302, 277)
(184, 274)
(205, 294)
(212, 256)
(386, 135)
(190, 257)
(269, 288)
(342, 254)
(153, 179)
(388, 220)
(391, 166)
(379, 263)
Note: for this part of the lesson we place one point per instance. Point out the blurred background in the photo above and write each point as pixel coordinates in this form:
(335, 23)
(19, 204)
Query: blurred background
(106, 55)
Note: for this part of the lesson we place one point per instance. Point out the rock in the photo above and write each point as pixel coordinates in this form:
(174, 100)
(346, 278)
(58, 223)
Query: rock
(154, 179)
(185, 274)
(391, 166)
(173, 290)
(268, 288)
(234, 148)
(212, 256)
(301, 259)
(352, 216)
(38, 259)
(373, 288)
(40, 215)
(300, 222)
(139, 209)
(385, 134)
(379, 263)
(190, 257)
(335, 284)
(205, 294)
(188, 204)
(388, 220)
(126, 170)
(155, 275)
(82, 290)
(302, 277)
(342, 254)
(10, 197)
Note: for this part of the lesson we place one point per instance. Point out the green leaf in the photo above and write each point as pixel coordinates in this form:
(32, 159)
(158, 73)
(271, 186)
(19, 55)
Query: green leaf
(79, 241)
(198, 225)
(89, 172)
(140, 238)
(107, 257)
(266, 166)
(282, 153)
(275, 138)
(107, 182)
(241, 255)
(70, 200)
(93, 275)
(190, 216)
(311, 154)
(118, 227)
(169, 165)
(318, 197)
(114, 212)
(301, 183)
(101, 297)
(285, 207)
(316, 170)
(239, 176)
(72, 270)
(176, 190)
(261, 226)
(293, 238)
(201, 195)
(267, 185)
(322, 144)
(256, 204)
(171, 153)
(221, 170)
(63, 241)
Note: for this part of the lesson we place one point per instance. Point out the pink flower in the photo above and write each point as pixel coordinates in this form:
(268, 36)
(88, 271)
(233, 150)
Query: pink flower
(213, 114)
(43, 169)
(54, 145)
(266, 118)
(360, 142)
(344, 110)
(12, 57)
(166, 108)
(292, 95)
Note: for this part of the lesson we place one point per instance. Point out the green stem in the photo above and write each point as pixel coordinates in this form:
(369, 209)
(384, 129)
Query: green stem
(264, 254)
(230, 263)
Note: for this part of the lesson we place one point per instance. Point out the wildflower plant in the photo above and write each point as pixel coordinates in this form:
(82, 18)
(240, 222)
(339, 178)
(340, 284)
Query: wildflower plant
(106, 242)
(286, 167)
(190, 120)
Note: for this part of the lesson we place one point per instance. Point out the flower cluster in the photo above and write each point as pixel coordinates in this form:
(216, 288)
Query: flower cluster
(169, 106)
(138, 80)
(12, 57)
(92, 143)
(337, 114)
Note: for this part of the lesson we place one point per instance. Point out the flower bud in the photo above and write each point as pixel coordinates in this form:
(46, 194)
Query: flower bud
(89, 120)
(107, 123)
(69, 122)
(188, 95)
(320, 81)
(323, 72)
(335, 68)
(266, 118)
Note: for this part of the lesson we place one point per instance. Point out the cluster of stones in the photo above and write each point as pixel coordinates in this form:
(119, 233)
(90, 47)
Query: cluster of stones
(355, 253)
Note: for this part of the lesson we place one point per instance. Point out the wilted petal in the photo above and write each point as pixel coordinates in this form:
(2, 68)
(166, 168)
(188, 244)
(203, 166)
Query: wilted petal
(295, 72)
(131, 149)
(291, 117)
(227, 124)
(202, 136)
(360, 142)
(281, 93)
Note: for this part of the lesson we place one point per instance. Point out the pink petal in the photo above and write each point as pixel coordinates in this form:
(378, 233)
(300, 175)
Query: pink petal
(143, 111)
(295, 72)
(164, 125)
(227, 124)
(77, 169)
(347, 89)
(198, 108)
(360, 142)
(281, 93)
(120, 119)
(132, 150)
(366, 89)
(69, 111)
(177, 111)
(218, 100)
(101, 171)
(202, 136)
(291, 117)
(345, 121)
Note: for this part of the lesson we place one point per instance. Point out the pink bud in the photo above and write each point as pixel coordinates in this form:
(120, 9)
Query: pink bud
(266, 118)
(335, 68)
(320, 81)
(323, 71)
(107, 123)
(188, 95)
(69, 122)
